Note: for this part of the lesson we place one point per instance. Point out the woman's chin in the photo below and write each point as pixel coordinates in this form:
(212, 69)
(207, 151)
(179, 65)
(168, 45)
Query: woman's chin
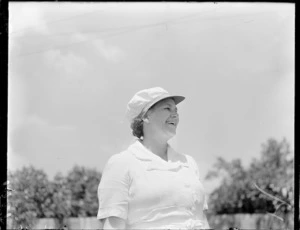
(167, 134)
(170, 135)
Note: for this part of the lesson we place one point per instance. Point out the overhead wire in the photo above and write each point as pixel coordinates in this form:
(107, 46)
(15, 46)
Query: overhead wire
(55, 21)
(114, 28)
(122, 30)
(130, 29)
(150, 50)
(74, 43)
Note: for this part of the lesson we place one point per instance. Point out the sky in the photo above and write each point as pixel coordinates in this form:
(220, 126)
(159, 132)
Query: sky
(73, 67)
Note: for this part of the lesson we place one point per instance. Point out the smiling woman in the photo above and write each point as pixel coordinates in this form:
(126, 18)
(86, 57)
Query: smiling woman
(150, 185)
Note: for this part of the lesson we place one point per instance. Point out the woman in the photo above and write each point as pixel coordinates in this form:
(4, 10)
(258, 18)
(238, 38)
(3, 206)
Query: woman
(150, 185)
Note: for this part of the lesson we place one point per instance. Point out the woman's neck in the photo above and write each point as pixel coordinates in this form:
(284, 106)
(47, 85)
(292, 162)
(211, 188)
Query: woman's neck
(160, 148)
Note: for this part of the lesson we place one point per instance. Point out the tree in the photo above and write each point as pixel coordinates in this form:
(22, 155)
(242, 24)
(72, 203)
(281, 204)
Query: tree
(246, 190)
(83, 183)
(235, 194)
(60, 207)
(34, 196)
(274, 172)
(29, 197)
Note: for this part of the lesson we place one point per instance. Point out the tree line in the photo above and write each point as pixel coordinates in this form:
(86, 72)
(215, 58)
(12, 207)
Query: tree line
(266, 186)
(32, 195)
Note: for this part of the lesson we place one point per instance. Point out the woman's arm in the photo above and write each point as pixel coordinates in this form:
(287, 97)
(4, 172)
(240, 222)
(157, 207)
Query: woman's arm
(113, 223)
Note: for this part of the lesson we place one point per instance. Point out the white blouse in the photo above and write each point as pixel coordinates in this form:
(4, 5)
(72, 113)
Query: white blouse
(151, 193)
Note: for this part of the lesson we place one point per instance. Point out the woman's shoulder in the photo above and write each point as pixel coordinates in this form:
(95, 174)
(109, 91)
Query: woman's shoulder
(123, 157)
(118, 164)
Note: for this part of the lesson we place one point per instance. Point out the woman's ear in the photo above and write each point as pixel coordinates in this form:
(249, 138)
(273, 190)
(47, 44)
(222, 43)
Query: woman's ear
(146, 120)
(146, 117)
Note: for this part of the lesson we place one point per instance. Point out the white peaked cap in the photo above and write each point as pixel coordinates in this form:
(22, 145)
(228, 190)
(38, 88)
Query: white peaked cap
(144, 99)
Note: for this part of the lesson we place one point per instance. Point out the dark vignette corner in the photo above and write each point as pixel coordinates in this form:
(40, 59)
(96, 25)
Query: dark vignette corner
(3, 108)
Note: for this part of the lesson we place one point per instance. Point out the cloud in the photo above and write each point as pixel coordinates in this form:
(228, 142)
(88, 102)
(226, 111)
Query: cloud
(23, 17)
(109, 52)
(39, 143)
(69, 64)
(37, 121)
(35, 134)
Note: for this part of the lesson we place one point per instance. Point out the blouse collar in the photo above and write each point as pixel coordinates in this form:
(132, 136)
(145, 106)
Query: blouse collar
(175, 160)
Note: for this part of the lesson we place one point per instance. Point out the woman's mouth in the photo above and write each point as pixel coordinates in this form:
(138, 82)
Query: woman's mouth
(171, 123)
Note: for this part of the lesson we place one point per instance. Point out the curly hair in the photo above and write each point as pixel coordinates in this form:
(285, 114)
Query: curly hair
(138, 122)
(137, 126)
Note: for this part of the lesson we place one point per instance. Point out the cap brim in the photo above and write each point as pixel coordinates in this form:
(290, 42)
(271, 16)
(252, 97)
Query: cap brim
(177, 99)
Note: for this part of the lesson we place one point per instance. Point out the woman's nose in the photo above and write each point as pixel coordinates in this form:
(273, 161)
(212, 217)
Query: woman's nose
(174, 114)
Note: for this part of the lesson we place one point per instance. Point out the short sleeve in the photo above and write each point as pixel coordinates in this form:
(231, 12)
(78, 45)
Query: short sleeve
(113, 188)
(194, 166)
